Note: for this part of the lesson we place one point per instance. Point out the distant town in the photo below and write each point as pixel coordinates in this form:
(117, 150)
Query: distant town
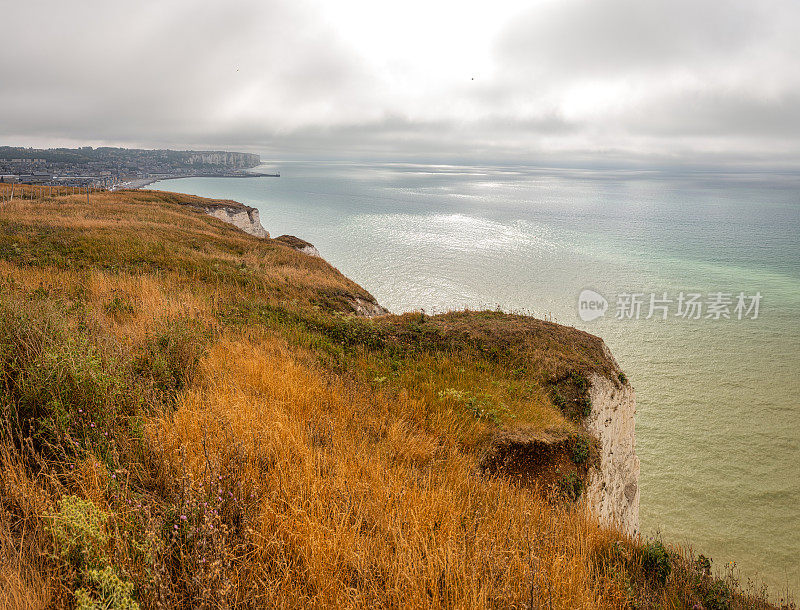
(113, 168)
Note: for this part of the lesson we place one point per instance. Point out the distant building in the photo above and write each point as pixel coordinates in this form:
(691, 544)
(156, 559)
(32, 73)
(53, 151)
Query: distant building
(36, 178)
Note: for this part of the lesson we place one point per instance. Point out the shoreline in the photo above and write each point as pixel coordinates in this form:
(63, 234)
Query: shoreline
(143, 182)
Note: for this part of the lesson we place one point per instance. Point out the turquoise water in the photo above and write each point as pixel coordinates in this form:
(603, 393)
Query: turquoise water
(718, 422)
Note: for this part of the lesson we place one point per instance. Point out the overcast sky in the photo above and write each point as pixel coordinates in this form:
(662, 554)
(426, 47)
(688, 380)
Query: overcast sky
(541, 81)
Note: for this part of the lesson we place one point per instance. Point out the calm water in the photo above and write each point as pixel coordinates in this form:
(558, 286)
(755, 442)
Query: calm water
(718, 423)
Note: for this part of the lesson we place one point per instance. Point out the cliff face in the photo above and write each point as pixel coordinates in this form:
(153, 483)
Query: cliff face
(242, 217)
(301, 245)
(227, 159)
(613, 489)
(367, 309)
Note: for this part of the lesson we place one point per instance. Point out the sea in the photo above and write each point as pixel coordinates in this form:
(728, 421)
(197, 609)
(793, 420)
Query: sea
(692, 278)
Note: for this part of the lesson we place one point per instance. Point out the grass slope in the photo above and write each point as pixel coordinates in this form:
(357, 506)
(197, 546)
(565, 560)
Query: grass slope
(193, 418)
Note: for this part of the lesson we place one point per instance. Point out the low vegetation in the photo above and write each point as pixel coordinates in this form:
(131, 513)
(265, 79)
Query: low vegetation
(194, 418)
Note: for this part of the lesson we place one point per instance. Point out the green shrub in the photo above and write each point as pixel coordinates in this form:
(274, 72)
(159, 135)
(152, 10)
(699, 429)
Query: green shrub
(623, 378)
(571, 486)
(580, 382)
(580, 450)
(656, 561)
(79, 532)
(714, 593)
(78, 529)
(481, 406)
(107, 592)
(170, 359)
(119, 308)
(703, 565)
(585, 405)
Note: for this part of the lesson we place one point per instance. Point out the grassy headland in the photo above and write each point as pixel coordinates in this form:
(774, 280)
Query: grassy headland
(193, 417)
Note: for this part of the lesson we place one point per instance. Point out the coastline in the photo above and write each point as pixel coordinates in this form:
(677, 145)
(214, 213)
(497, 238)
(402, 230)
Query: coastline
(412, 243)
(143, 182)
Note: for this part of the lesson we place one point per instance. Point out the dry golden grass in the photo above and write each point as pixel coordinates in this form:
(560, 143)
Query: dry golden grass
(250, 444)
(25, 576)
(21, 587)
(358, 507)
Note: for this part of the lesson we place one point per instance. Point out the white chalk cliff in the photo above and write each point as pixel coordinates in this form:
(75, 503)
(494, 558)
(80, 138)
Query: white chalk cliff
(301, 245)
(242, 217)
(612, 492)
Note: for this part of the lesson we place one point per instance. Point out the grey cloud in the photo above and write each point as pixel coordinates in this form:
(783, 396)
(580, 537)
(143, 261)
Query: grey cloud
(710, 71)
(108, 73)
(594, 38)
(718, 113)
(273, 76)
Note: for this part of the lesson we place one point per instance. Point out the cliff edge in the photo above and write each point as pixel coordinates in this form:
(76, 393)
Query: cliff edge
(611, 480)
(221, 405)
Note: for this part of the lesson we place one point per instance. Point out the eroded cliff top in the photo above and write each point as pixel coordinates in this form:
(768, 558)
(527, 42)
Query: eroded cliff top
(554, 350)
(203, 203)
(294, 242)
